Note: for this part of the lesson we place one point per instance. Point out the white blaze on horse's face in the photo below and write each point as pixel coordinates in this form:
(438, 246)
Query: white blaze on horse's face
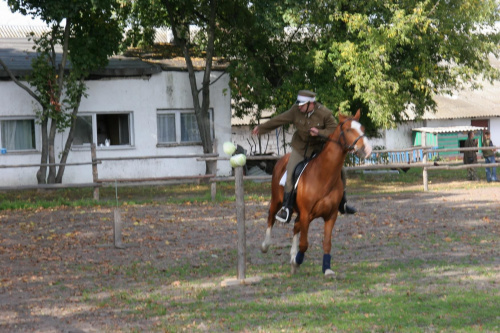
(366, 149)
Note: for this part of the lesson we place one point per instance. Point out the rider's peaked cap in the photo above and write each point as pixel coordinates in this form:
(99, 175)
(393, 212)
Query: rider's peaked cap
(305, 96)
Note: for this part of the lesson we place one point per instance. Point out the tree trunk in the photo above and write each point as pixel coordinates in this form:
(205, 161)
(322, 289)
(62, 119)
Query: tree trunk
(51, 178)
(210, 167)
(69, 143)
(201, 111)
(179, 28)
(42, 172)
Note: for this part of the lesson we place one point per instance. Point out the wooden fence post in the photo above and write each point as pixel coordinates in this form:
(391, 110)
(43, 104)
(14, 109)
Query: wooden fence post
(240, 217)
(117, 229)
(213, 190)
(213, 185)
(424, 161)
(95, 176)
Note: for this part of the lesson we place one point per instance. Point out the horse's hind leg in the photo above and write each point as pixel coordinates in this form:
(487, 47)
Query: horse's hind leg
(293, 253)
(275, 204)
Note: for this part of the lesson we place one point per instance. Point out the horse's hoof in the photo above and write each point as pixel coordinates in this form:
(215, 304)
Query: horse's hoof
(264, 247)
(294, 269)
(329, 273)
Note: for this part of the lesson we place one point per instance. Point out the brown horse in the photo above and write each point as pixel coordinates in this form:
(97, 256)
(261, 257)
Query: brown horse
(319, 189)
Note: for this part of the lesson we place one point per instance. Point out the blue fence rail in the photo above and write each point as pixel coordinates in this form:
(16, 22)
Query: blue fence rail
(407, 156)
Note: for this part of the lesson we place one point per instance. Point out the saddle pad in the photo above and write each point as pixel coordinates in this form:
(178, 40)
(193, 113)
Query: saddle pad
(283, 178)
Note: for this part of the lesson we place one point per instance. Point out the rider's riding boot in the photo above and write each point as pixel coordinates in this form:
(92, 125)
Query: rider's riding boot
(285, 213)
(344, 208)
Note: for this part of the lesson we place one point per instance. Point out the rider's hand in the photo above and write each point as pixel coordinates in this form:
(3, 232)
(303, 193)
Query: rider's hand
(314, 131)
(255, 130)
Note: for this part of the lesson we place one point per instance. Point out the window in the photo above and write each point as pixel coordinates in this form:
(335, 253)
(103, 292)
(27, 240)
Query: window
(18, 134)
(107, 129)
(113, 127)
(83, 130)
(189, 128)
(180, 127)
(166, 128)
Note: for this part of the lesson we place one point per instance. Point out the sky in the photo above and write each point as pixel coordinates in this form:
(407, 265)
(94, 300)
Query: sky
(9, 18)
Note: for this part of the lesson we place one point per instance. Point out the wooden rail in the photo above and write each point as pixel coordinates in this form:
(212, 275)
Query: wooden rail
(369, 165)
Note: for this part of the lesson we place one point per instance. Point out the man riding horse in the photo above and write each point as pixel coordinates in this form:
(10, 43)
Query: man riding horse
(313, 122)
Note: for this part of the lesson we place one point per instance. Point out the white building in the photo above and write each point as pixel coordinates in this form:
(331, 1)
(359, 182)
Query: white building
(133, 109)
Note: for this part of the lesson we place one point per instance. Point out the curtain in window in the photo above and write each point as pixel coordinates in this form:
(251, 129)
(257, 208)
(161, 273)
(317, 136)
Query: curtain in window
(166, 128)
(189, 128)
(18, 134)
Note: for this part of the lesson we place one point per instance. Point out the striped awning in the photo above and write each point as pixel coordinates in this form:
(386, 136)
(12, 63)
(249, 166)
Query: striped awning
(448, 129)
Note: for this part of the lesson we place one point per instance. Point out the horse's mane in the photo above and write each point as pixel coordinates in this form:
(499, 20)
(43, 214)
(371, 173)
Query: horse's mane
(342, 118)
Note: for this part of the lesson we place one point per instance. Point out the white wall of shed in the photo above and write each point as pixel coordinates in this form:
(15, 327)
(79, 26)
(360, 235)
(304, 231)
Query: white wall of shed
(141, 96)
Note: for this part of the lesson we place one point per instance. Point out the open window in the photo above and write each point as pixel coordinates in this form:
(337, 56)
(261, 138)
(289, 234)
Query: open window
(106, 129)
(113, 128)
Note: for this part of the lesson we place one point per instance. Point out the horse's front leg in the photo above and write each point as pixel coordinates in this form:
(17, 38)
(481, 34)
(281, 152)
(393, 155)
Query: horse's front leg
(327, 246)
(267, 240)
(299, 244)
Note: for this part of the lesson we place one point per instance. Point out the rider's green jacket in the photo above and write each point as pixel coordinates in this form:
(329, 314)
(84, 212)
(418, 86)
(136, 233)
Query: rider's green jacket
(321, 118)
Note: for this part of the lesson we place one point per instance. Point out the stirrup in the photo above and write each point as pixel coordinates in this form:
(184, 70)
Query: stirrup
(283, 215)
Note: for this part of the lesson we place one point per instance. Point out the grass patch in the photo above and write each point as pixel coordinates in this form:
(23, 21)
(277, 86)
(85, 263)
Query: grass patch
(358, 183)
(134, 290)
(413, 296)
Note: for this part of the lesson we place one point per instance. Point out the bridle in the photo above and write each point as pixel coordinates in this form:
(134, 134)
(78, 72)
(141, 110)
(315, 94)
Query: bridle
(344, 145)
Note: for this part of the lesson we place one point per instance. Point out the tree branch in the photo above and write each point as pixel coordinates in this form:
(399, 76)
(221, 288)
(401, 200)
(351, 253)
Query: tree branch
(217, 79)
(21, 85)
(62, 67)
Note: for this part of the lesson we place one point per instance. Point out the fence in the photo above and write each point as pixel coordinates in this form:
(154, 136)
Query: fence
(380, 159)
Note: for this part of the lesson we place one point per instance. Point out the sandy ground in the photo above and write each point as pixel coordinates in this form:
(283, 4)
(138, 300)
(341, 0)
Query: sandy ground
(45, 254)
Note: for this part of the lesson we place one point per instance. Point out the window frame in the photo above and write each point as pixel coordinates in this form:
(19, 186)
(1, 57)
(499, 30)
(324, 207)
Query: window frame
(94, 115)
(178, 128)
(35, 139)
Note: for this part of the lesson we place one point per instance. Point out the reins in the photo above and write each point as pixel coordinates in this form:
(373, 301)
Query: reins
(342, 135)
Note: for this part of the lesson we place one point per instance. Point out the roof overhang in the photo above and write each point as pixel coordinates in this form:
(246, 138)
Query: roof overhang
(449, 129)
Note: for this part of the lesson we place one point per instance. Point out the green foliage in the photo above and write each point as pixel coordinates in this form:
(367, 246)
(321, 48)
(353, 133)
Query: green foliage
(48, 85)
(388, 58)
(88, 32)
(93, 34)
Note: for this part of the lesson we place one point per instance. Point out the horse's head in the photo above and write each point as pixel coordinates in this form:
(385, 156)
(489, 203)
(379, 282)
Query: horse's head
(352, 136)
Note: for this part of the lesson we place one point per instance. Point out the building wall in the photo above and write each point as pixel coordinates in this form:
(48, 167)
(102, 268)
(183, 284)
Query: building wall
(140, 96)
(495, 131)
(494, 126)
(400, 137)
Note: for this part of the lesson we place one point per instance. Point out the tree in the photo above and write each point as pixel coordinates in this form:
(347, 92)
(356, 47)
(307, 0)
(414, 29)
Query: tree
(388, 57)
(143, 16)
(88, 33)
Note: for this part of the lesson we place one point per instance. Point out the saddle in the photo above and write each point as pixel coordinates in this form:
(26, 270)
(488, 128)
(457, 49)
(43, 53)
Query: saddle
(297, 171)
